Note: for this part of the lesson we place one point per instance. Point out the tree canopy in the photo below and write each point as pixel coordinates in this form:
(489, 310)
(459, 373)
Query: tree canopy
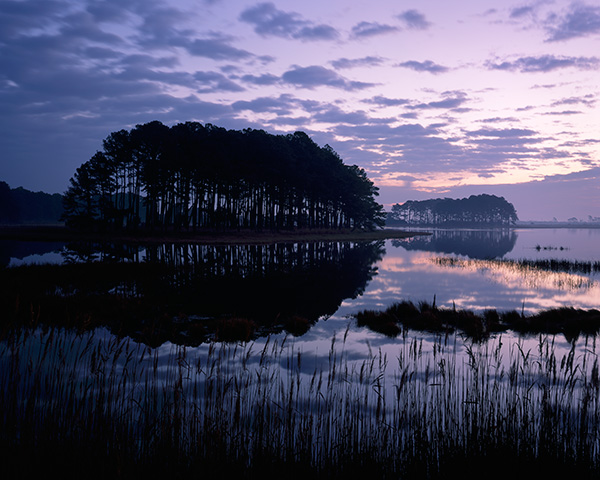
(191, 176)
(477, 209)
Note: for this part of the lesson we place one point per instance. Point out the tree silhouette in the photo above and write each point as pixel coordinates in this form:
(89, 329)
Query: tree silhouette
(81, 200)
(22, 206)
(191, 176)
(477, 209)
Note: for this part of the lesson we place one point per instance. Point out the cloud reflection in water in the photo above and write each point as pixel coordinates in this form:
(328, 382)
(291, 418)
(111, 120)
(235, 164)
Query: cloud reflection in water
(465, 276)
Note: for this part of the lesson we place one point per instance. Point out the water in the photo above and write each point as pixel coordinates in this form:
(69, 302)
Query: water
(468, 269)
(476, 278)
(326, 284)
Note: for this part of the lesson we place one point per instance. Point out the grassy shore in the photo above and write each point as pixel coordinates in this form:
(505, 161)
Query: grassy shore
(101, 407)
(210, 237)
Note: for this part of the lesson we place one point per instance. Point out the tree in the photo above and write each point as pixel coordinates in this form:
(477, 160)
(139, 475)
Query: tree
(9, 210)
(476, 209)
(19, 206)
(203, 176)
(81, 200)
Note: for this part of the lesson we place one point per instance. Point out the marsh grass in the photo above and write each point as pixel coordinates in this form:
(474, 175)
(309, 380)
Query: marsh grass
(524, 265)
(572, 322)
(95, 406)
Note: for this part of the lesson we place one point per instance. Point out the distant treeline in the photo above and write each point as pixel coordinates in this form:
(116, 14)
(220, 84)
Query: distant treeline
(477, 209)
(18, 205)
(192, 176)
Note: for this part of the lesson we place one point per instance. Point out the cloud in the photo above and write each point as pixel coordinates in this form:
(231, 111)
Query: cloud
(414, 20)
(148, 61)
(317, 76)
(264, 79)
(386, 102)
(519, 12)
(409, 115)
(270, 21)
(82, 25)
(336, 116)
(503, 132)
(108, 11)
(161, 26)
(138, 72)
(282, 105)
(369, 61)
(215, 82)
(409, 148)
(579, 21)
(371, 29)
(587, 100)
(546, 63)
(216, 48)
(499, 119)
(564, 112)
(17, 17)
(68, 130)
(317, 32)
(453, 100)
(426, 66)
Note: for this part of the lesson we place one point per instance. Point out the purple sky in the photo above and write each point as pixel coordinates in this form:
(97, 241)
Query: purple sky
(433, 98)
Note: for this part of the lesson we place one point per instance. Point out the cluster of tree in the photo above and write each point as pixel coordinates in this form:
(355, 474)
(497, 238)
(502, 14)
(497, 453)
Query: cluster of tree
(477, 209)
(192, 176)
(19, 205)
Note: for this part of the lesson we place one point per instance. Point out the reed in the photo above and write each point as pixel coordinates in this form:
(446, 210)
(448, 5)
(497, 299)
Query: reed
(525, 264)
(572, 322)
(93, 405)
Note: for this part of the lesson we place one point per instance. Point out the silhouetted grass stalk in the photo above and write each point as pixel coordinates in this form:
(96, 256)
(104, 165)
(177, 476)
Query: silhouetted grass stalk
(76, 399)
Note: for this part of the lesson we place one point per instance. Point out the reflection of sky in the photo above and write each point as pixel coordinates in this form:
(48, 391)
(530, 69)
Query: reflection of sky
(474, 284)
(471, 284)
(416, 275)
(480, 284)
(50, 257)
(577, 244)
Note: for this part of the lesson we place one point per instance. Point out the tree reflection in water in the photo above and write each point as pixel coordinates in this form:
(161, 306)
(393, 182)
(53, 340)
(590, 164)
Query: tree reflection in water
(189, 293)
(480, 244)
(18, 250)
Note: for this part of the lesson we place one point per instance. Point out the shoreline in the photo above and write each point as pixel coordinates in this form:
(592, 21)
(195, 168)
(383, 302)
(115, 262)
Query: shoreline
(518, 226)
(229, 237)
(571, 225)
(58, 232)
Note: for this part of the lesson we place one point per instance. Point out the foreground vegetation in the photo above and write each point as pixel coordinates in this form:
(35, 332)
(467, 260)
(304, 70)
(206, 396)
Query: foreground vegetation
(95, 406)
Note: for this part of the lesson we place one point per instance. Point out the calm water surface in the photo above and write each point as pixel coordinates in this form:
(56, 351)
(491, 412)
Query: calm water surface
(470, 269)
(328, 283)
(473, 270)
(474, 278)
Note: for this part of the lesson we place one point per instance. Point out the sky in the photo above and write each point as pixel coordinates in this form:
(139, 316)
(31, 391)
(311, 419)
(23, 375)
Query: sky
(432, 98)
